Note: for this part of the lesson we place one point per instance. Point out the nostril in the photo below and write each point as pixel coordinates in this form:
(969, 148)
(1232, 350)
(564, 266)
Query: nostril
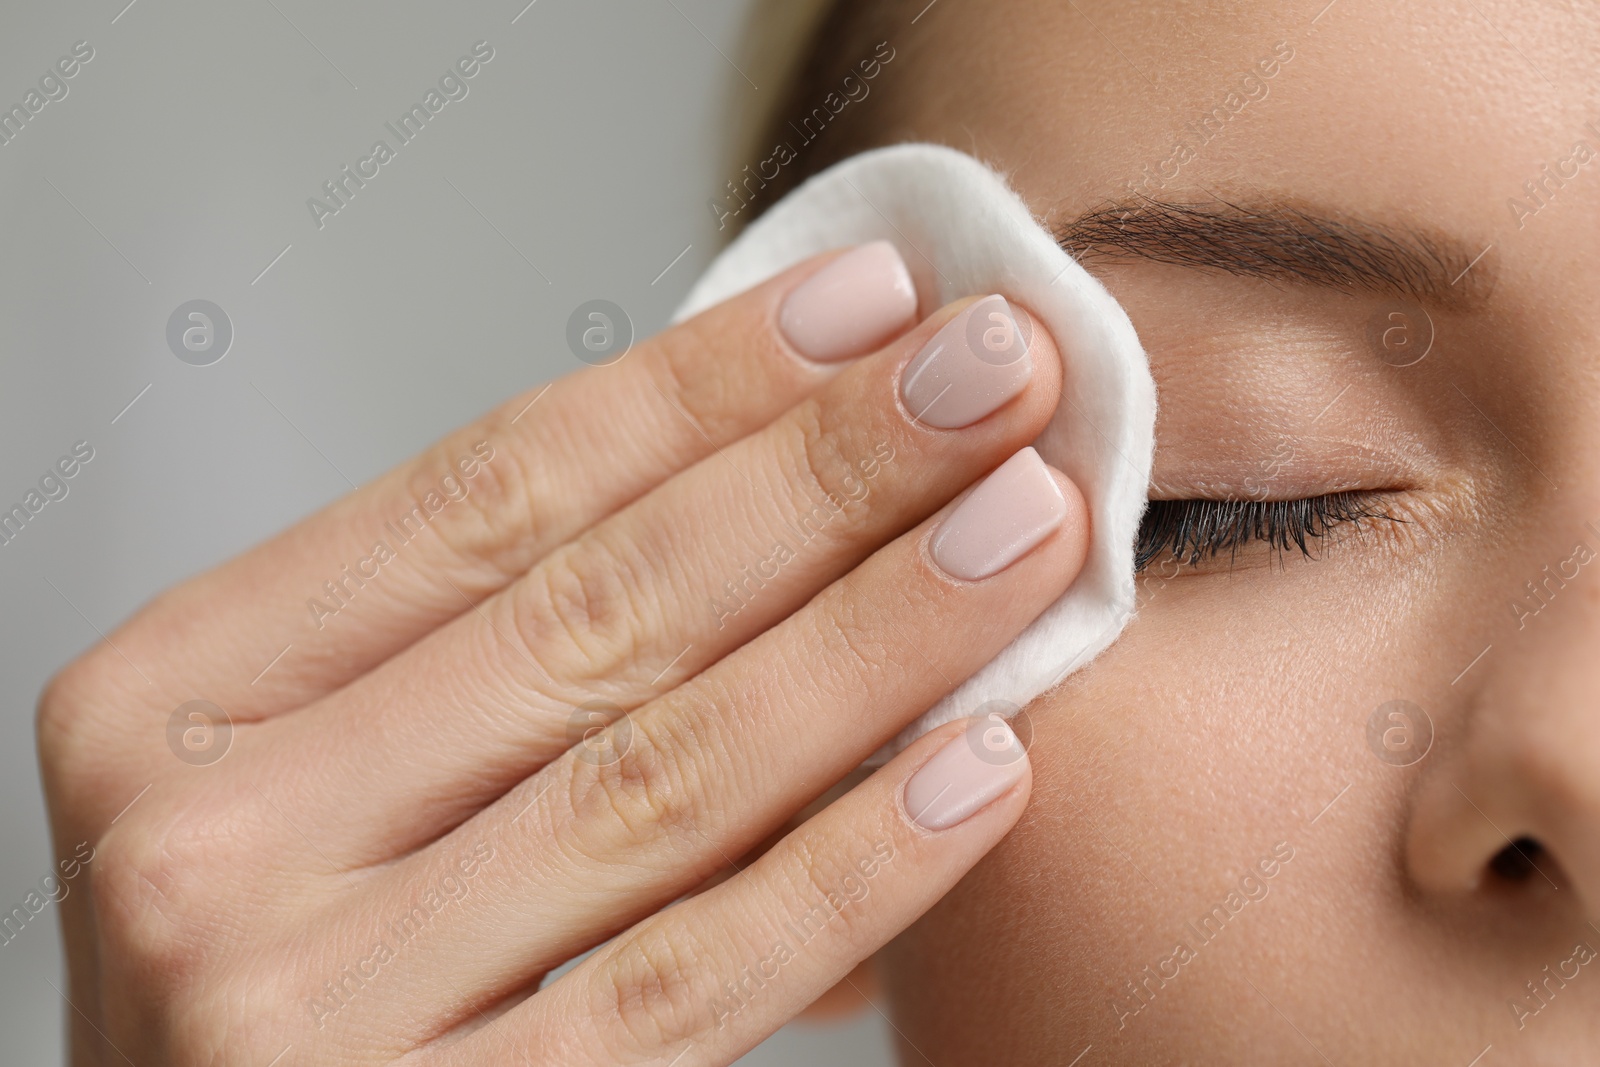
(1518, 861)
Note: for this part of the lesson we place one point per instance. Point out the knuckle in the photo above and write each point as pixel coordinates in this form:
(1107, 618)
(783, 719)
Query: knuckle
(585, 599)
(697, 383)
(170, 903)
(653, 987)
(143, 904)
(499, 500)
(830, 886)
(74, 722)
(821, 474)
(63, 716)
(852, 632)
(478, 501)
(650, 794)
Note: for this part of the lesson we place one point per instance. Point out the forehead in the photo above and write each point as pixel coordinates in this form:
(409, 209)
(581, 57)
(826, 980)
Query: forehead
(1438, 111)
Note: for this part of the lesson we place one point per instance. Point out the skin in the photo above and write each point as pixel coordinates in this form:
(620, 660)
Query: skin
(416, 818)
(1225, 735)
(1231, 718)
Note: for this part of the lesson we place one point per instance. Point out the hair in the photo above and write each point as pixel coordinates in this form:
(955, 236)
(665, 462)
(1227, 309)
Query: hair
(804, 50)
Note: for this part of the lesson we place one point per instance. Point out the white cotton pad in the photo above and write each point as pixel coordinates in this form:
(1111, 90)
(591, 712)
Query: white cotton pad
(963, 232)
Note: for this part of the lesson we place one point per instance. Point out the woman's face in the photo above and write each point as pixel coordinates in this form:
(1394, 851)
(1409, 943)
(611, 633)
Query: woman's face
(1382, 280)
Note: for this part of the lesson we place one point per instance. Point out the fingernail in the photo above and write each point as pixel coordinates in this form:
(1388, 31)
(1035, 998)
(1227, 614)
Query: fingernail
(972, 769)
(977, 362)
(1010, 512)
(855, 304)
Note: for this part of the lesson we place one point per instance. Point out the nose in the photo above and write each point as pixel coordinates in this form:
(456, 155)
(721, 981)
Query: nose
(1517, 793)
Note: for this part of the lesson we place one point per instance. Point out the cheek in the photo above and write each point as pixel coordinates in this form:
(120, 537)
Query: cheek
(1210, 733)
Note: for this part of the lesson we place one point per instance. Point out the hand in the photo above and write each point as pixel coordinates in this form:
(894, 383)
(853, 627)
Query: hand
(555, 674)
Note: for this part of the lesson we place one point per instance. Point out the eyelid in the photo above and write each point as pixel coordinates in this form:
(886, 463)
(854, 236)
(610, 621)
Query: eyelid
(1268, 489)
(1197, 530)
(1289, 470)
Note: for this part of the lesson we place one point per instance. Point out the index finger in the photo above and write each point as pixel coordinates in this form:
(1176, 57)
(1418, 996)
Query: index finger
(330, 598)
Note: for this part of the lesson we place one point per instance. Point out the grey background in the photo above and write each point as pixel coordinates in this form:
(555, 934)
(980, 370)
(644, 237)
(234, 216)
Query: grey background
(178, 167)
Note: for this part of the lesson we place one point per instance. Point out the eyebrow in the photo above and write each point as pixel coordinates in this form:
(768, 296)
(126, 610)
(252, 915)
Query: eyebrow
(1283, 242)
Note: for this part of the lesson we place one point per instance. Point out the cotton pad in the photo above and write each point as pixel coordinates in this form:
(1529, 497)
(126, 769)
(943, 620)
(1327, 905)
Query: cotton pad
(963, 232)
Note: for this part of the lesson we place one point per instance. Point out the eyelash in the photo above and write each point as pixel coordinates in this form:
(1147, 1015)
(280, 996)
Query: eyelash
(1194, 530)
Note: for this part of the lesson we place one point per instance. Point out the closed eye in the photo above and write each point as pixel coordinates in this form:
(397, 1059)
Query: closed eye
(1192, 531)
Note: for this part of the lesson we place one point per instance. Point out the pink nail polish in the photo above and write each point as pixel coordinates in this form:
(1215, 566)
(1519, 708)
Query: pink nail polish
(857, 303)
(1010, 512)
(977, 362)
(972, 770)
